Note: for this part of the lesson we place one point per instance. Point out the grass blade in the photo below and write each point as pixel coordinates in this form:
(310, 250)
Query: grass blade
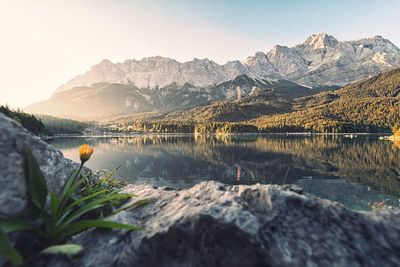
(54, 204)
(84, 225)
(80, 200)
(37, 187)
(89, 207)
(132, 206)
(9, 226)
(69, 250)
(10, 253)
(77, 214)
(69, 189)
(67, 211)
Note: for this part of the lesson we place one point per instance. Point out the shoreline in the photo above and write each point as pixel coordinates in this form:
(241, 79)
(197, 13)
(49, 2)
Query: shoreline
(384, 136)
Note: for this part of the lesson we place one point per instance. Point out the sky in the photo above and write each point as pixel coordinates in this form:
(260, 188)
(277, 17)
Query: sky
(44, 43)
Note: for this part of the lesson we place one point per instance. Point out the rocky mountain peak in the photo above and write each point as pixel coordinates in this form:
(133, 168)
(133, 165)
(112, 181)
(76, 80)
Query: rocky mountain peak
(106, 62)
(259, 65)
(321, 41)
(104, 66)
(278, 48)
(260, 54)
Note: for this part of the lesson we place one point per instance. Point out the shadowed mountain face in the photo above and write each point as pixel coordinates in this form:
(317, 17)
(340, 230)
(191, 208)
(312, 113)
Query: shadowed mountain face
(103, 100)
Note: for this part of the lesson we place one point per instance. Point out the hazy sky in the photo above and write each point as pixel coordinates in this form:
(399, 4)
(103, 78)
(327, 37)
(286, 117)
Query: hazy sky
(45, 43)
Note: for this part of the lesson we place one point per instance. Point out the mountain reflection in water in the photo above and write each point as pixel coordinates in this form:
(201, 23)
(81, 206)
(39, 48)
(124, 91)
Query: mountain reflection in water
(354, 172)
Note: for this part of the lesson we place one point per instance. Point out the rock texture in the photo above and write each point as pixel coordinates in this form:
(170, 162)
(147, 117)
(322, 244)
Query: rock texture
(14, 140)
(212, 224)
(321, 59)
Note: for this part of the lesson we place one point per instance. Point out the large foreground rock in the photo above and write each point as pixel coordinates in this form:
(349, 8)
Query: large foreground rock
(212, 224)
(14, 140)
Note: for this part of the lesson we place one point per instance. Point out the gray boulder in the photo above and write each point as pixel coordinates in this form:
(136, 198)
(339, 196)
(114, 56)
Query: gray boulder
(212, 224)
(14, 140)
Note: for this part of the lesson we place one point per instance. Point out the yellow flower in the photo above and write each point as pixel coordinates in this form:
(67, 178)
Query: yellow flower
(85, 151)
(397, 144)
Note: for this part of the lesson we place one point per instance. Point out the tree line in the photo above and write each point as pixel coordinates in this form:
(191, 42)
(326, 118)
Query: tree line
(44, 125)
(28, 121)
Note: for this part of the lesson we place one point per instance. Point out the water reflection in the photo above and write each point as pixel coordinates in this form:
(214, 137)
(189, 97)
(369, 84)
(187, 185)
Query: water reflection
(352, 171)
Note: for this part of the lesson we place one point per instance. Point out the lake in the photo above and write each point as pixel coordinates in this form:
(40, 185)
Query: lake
(353, 170)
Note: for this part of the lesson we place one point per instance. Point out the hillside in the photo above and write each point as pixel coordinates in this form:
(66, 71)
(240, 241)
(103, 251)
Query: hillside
(372, 105)
(44, 125)
(63, 126)
(28, 121)
(369, 105)
(261, 102)
(102, 100)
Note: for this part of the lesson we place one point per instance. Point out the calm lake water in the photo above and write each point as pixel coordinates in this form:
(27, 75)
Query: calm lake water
(352, 171)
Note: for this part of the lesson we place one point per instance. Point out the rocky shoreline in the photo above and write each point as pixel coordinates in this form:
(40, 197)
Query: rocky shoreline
(211, 223)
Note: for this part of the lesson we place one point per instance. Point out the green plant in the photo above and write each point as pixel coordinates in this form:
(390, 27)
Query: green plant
(108, 185)
(64, 216)
(106, 181)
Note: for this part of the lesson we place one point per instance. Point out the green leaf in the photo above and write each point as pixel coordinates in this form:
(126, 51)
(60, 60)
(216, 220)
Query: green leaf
(69, 250)
(80, 200)
(54, 204)
(132, 206)
(10, 253)
(77, 214)
(68, 191)
(9, 226)
(36, 183)
(65, 212)
(89, 207)
(84, 225)
(68, 182)
(69, 185)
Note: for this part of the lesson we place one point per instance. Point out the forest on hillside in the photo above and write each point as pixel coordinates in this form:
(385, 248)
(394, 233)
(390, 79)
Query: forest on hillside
(43, 125)
(63, 126)
(30, 122)
(371, 105)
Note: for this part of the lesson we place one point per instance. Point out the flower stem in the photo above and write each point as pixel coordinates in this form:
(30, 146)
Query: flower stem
(76, 175)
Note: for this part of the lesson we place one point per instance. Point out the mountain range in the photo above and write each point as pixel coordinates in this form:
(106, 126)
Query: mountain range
(321, 59)
(370, 105)
(159, 84)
